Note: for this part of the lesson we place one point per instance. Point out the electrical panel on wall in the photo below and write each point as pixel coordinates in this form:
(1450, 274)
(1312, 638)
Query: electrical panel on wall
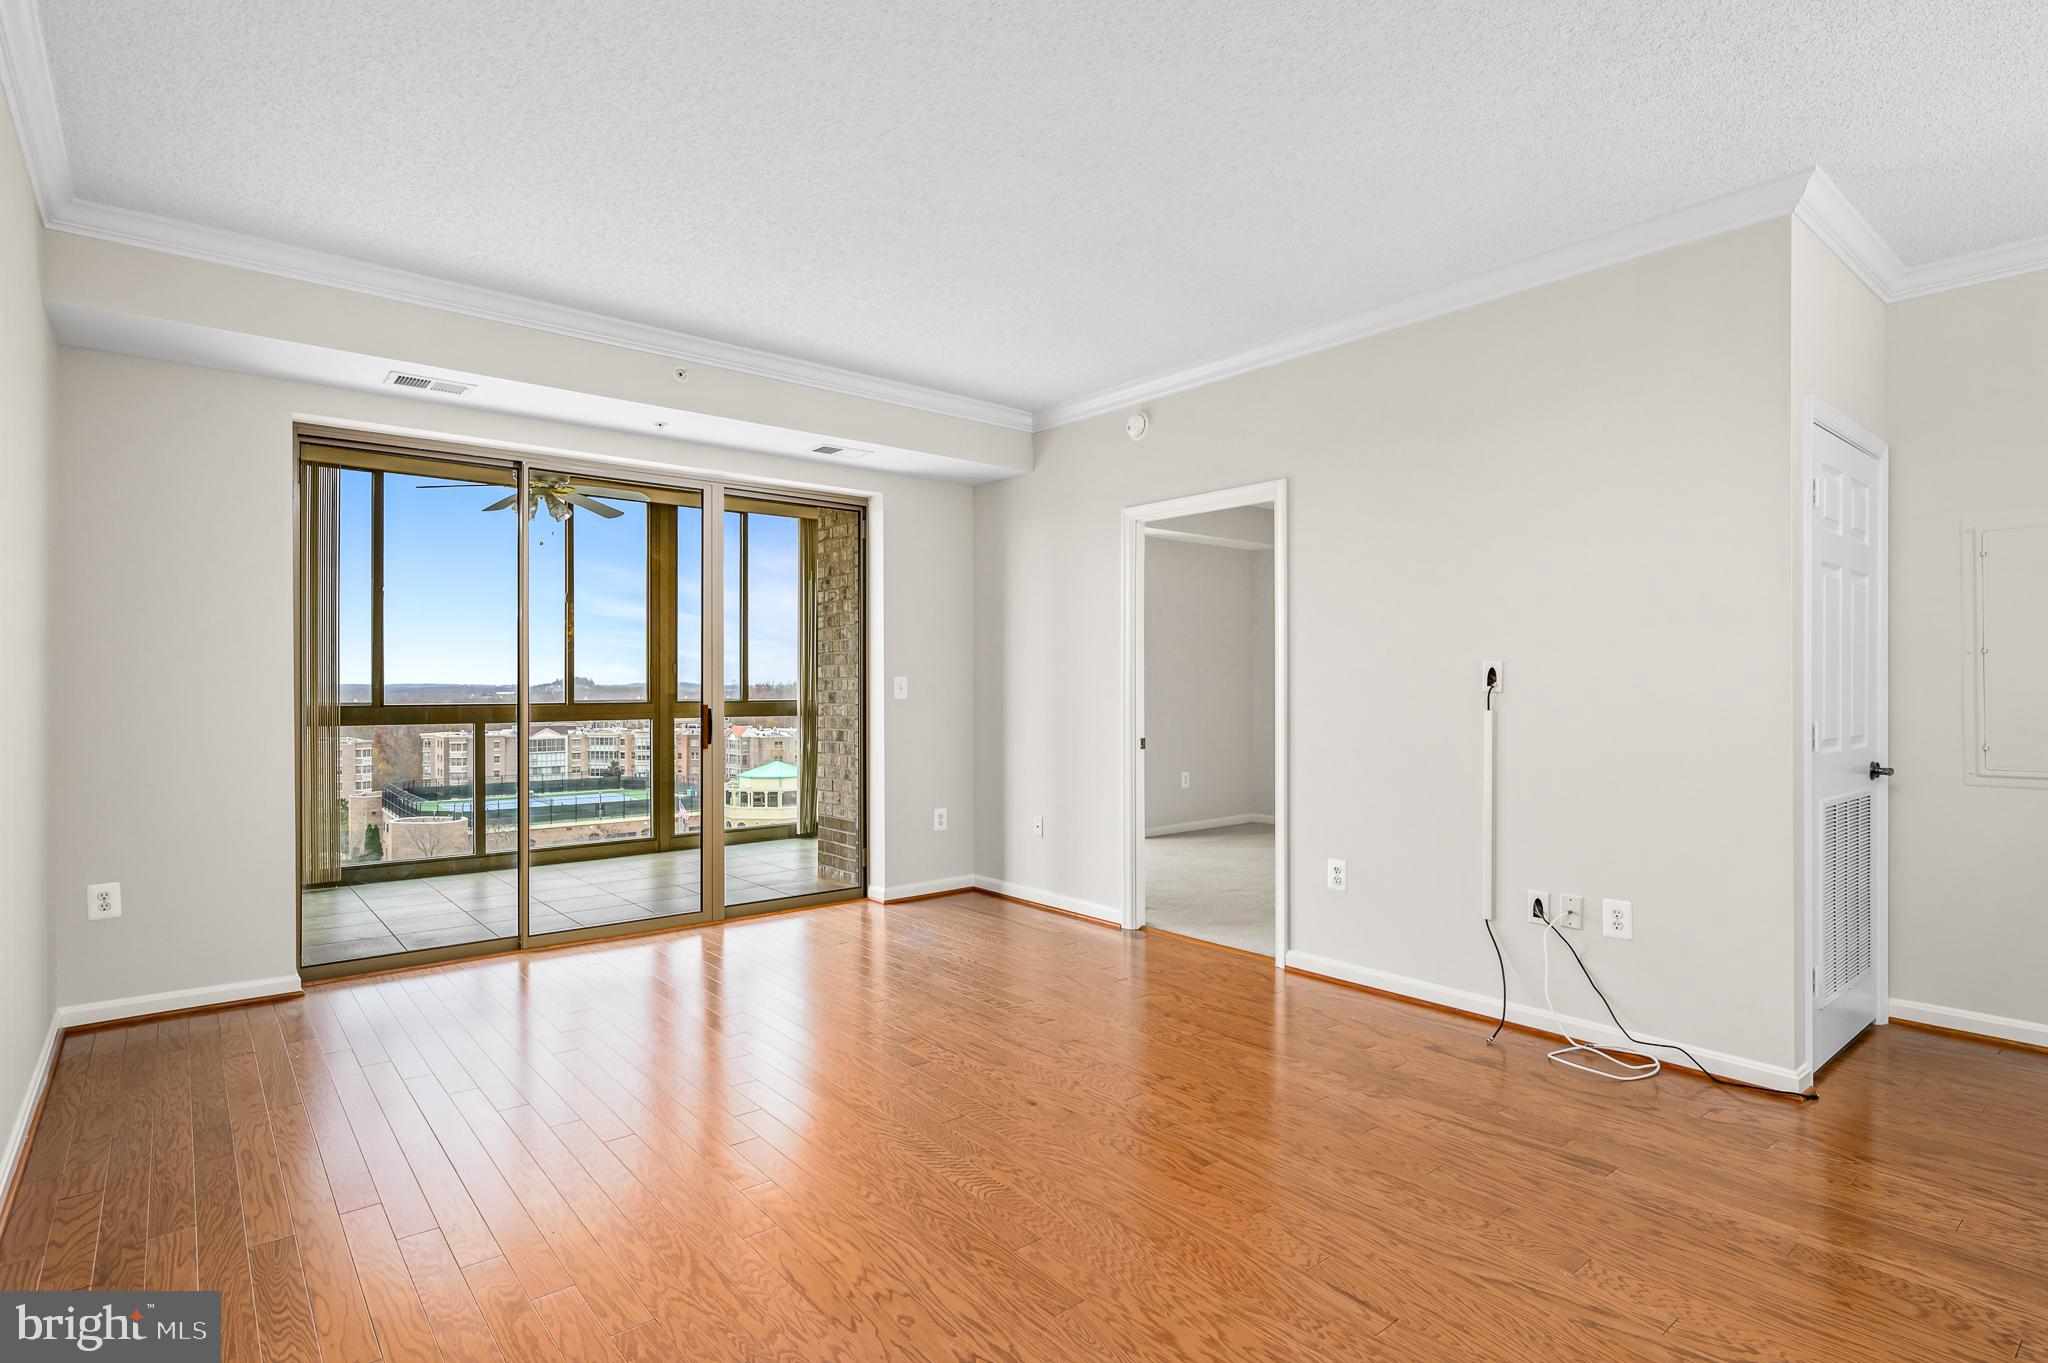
(2005, 577)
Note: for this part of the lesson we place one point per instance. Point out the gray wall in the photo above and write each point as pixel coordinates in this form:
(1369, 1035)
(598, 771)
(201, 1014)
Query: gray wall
(172, 588)
(1838, 345)
(1588, 481)
(26, 365)
(1208, 709)
(1969, 886)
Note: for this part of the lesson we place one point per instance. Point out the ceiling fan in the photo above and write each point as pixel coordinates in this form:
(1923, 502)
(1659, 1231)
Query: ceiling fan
(556, 494)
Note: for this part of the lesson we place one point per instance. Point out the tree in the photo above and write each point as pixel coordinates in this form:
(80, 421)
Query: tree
(373, 843)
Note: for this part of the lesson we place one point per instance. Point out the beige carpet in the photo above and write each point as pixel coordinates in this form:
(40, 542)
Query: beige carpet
(1216, 885)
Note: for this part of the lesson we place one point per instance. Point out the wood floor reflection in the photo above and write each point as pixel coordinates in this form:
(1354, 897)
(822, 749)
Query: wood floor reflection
(963, 1129)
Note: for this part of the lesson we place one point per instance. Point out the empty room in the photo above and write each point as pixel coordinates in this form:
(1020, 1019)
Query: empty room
(725, 684)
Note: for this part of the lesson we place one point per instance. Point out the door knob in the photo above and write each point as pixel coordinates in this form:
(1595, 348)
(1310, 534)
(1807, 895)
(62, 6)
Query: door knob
(1877, 771)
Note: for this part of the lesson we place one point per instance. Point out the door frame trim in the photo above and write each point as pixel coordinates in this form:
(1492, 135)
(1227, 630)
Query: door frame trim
(1817, 415)
(1134, 521)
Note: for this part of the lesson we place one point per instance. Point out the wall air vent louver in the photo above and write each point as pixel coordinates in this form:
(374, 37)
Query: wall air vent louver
(848, 451)
(426, 384)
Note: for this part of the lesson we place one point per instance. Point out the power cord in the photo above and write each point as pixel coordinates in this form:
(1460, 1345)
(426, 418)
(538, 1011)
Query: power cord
(1503, 962)
(1623, 1071)
(1647, 1045)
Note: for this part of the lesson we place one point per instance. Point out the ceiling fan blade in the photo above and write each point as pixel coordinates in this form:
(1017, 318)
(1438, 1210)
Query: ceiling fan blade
(608, 512)
(502, 503)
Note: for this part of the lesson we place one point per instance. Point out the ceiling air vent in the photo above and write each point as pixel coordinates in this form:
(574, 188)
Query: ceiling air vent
(426, 384)
(844, 451)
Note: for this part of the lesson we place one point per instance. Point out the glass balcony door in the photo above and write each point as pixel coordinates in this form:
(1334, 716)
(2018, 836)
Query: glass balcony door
(614, 572)
(408, 664)
(542, 704)
(790, 808)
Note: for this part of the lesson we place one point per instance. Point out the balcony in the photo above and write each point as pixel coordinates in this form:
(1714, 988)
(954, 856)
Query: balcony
(355, 922)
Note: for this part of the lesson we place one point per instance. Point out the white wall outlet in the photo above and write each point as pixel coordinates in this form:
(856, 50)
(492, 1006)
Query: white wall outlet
(902, 691)
(1539, 906)
(1570, 910)
(1336, 874)
(103, 901)
(939, 820)
(1617, 918)
(1038, 826)
(1186, 779)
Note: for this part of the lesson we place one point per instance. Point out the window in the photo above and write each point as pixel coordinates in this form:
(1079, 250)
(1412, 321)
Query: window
(587, 567)
(689, 603)
(450, 598)
(774, 611)
(609, 598)
(355, 491)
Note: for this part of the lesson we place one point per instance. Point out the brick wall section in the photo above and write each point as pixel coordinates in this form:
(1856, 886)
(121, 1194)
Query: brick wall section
(839, 700)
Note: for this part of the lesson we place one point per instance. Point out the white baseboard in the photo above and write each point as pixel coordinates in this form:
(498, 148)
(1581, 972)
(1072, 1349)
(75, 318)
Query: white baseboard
(1168, 829)
(206, 996)
(1488, 1005)
(1963, 1020)
(1051, 899)
(17, 1136)
(943, 885)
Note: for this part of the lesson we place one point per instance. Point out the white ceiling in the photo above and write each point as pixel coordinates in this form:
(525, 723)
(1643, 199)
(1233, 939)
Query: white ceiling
(1024, 201)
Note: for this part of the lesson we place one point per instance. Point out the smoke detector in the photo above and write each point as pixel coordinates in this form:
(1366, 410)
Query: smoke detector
(427, 384)
(843, 451)
(1136, 424)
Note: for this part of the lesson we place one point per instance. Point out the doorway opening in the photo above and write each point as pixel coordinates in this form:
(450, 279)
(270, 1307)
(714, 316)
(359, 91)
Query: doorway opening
(1205, 688)
(541, 702)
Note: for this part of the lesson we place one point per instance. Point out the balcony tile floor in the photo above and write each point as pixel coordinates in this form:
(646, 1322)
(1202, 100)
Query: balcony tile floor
(353, 922)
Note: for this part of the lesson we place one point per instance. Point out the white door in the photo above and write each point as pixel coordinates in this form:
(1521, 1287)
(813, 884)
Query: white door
(1846, 520)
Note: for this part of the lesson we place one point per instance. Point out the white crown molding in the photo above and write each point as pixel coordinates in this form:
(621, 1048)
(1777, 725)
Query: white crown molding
(32, 100)
(31, 97)
(1772, 199)
(1825, 209)
(318, 267)
(1810, 195)
(1978, 267)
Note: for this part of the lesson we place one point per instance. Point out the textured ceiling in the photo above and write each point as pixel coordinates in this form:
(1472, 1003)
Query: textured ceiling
(1027, 200)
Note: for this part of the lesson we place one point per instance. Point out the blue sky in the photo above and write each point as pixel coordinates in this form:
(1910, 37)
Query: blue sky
(450, 595)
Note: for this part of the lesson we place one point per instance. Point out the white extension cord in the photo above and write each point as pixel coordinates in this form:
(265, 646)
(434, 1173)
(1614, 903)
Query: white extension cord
(1624, 1071)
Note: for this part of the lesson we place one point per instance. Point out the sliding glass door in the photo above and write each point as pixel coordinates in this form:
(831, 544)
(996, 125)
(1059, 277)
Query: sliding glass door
(790, 737)
(408, 667)
(456, 797)
(610, 758)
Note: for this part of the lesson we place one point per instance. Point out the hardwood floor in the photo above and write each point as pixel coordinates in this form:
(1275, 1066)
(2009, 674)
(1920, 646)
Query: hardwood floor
(961, 1129)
